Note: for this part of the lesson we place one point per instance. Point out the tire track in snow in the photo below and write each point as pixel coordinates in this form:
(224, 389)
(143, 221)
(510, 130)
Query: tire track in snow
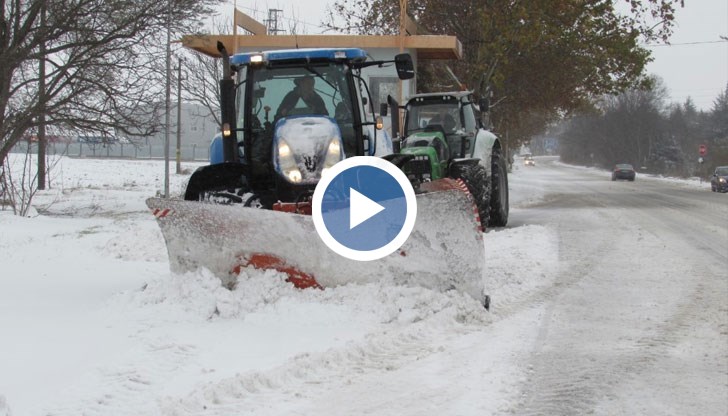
(574, 259)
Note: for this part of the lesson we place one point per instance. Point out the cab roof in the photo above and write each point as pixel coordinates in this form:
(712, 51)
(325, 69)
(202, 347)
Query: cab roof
(318, 54)
(454, 94)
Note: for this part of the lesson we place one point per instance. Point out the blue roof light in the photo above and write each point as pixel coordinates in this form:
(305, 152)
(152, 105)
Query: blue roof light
(348, 54)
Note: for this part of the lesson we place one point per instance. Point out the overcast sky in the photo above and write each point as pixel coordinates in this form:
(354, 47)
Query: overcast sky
(695, 65)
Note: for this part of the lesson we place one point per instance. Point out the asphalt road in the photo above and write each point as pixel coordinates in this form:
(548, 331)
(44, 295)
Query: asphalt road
(636, 321)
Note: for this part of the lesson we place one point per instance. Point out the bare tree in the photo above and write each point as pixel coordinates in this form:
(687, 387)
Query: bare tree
(204, 73)
(18, 179)
(102, 63)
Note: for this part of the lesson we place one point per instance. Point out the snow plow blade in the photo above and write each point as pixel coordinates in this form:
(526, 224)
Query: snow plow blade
(443, 252)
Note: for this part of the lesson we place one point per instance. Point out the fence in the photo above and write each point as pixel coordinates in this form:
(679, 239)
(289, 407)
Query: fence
(117, 150)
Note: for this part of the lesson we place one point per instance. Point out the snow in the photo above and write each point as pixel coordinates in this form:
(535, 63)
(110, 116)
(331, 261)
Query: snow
(93, 322)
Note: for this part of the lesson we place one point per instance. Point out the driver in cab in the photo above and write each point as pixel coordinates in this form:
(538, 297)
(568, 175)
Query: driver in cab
(304, 91)
(445, 120)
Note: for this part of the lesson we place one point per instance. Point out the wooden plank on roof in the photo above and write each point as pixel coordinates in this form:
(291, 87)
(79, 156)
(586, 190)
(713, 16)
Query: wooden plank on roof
(248, 23)
(414, 28)
(426, 46)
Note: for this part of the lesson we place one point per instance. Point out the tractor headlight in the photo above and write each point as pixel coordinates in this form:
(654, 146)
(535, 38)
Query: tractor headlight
(333, 153)
(293, 175)
(284, 151)
(287, 163)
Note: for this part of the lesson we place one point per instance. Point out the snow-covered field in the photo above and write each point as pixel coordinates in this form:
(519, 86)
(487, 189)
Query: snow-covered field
(93, 322)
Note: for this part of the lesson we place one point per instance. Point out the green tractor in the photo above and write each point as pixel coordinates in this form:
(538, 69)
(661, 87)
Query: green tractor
(444, 137)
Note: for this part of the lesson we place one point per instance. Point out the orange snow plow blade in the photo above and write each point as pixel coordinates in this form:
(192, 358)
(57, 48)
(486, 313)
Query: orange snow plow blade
(444, 251)
(264, 261)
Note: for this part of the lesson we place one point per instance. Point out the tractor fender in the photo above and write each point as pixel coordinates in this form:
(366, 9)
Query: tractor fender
(464, 162)
(216, 149)
(485, 142)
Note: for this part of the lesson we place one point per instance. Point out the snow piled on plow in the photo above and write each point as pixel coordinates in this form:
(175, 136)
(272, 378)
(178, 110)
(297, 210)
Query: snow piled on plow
(199, 295)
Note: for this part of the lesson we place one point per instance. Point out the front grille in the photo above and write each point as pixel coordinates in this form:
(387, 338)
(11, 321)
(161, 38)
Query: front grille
(419, 169)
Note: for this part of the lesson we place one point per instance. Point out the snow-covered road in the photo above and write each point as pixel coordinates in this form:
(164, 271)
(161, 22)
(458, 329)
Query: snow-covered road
(608, 298)
(636, 319)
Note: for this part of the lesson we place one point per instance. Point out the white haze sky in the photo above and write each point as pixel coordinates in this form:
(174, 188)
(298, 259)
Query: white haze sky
(695, 64)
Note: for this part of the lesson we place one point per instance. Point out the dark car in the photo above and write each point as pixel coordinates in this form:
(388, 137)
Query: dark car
(719, 180)
(623, 171)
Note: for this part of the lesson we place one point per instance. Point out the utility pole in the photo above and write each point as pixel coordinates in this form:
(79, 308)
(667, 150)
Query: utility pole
(272, 21)
(42, 142)
(167, 104)
(179, 117)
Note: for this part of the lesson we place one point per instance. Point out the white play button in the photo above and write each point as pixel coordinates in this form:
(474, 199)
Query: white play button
(361, 208)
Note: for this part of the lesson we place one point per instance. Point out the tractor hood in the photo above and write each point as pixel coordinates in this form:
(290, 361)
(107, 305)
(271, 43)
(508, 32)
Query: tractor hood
(422, 139)
(304, 147)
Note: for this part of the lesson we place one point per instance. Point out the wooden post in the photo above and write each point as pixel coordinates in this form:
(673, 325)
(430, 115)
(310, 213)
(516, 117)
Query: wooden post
(42, 140)
(402, 34)
(179, 118)
(235, 27)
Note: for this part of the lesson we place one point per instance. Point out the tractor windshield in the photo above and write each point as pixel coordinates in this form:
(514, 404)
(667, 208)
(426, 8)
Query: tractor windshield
(433, 114)
(316, 89)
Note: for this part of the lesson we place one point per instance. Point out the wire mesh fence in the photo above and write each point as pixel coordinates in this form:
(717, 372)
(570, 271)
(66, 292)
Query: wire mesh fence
(117, 150)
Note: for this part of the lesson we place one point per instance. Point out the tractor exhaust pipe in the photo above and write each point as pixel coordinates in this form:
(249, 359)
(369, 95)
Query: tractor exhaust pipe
(396, 134)
(227, 108)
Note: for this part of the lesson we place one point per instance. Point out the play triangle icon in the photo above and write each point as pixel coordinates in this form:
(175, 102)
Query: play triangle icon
(361, 208)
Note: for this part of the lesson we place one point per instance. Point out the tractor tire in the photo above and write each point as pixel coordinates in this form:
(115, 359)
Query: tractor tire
(476, 179)
(498, 191)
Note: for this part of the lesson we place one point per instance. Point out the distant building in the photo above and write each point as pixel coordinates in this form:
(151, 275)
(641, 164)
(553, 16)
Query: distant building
(198, 127)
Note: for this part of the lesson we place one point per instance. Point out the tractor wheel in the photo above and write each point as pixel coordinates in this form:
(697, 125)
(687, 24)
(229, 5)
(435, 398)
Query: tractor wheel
(498, 191)
(476, 179)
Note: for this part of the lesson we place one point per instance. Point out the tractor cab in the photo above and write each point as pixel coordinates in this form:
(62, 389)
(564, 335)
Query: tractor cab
(290, 115)
(289, 133)
(449, 115)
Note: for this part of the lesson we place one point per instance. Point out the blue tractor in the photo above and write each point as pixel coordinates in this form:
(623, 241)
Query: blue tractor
(288, 116)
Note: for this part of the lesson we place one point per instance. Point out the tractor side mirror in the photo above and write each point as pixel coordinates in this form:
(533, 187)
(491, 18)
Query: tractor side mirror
(404, 65)
(383, 109)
